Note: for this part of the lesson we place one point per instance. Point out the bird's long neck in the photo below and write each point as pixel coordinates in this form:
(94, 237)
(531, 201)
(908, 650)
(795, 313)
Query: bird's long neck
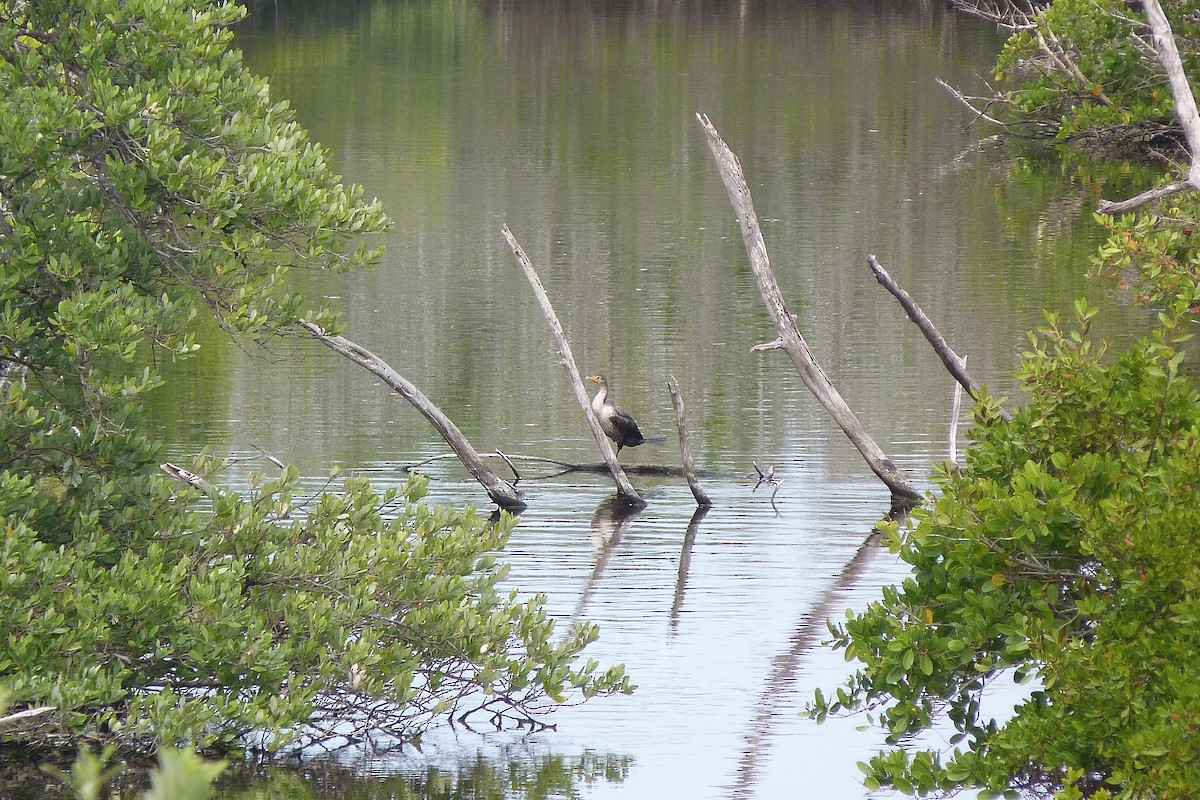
(601, 395)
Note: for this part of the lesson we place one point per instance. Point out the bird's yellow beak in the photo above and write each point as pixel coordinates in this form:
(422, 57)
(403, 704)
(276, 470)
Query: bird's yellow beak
(594, 378)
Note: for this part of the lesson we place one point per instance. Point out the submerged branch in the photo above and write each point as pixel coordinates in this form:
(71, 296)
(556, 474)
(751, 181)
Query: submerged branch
(567, 466)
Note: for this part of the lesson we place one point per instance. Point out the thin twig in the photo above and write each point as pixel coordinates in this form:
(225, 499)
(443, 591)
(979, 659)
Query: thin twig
(979, 113)
(512, 466)
(269, 457)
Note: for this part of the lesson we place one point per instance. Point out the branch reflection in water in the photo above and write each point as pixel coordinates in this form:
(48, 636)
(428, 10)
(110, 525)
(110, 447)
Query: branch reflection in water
(685, 562)
(775, 701)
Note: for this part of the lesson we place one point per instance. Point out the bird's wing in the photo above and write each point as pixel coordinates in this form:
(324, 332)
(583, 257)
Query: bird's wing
(625, 425)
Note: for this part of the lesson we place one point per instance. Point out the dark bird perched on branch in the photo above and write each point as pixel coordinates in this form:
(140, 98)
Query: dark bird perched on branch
(616, 424)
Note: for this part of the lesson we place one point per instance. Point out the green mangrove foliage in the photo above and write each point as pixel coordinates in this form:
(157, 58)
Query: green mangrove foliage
(146, 177)
(1059, 561)
(1085, 70)
(1061, 556)
(1154, 255)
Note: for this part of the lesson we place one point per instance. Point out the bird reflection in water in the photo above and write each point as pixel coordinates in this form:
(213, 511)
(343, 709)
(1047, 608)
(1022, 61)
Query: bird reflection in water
(609, 523)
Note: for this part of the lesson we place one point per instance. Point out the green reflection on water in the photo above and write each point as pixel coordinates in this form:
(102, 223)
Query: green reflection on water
(573, 123)
(517, 778)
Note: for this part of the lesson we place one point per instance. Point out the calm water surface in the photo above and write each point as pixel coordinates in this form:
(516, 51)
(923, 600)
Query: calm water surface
(573, 123)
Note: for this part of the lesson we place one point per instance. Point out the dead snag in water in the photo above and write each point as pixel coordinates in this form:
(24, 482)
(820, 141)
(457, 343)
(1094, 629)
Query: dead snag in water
(904, 494)
(685, 447)
(955, 364)
(506, 457)
(502, 493)
(624, 488)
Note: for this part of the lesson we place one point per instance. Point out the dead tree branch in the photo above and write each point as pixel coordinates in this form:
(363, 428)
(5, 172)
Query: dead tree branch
(624, 488)
(1062, 61)
(190, 478)
(501, 492)
(954, 362)
(904, 494)
(1185, 109)
(685, 446)
(980, 113)
(1008, 14)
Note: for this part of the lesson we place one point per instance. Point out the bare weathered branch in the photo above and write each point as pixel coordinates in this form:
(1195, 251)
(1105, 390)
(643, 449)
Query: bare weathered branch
(1013, 16)
(624, 487)
(1148, 196)
(955, 411)
(1185, 110)
(27, 714)
(954, 363)
(979, 112)
(1181, 90)
(1054, 49)
(904, 494)
(190, 478)
(685, 446)
(501, 492)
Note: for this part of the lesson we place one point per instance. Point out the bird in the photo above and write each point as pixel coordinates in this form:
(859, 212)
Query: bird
(616, 424)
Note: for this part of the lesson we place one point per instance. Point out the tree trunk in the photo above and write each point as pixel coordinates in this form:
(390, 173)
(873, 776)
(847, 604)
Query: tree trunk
(1185, 109)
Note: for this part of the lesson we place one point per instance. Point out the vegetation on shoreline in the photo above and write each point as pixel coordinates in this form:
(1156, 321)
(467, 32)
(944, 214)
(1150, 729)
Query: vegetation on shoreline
(1060, 555)
(147, 178)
